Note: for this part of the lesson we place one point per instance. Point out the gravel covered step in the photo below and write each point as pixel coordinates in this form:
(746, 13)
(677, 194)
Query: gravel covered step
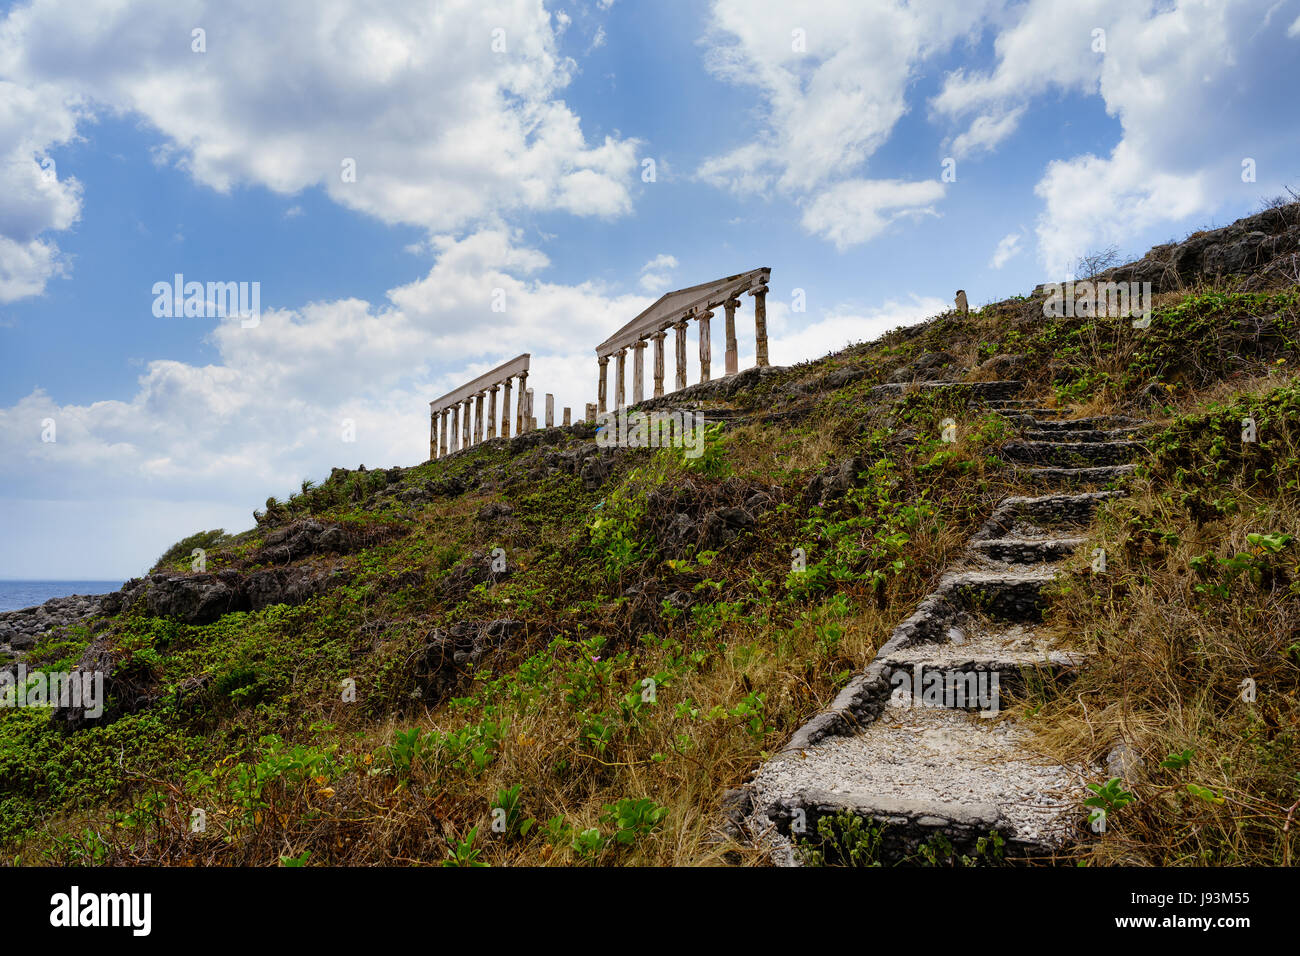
(1083, 424)
(1072, 453)
(1019, 550)
(921, 771)
(1044, 511)
(1091, 435)
(1078, 476)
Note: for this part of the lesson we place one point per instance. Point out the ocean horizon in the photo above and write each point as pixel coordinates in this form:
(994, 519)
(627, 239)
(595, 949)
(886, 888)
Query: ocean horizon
(20, 594)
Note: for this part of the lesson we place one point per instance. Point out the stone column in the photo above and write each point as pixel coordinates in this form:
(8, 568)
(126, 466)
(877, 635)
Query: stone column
(492, 412)
(444, 419)
(620, 395)
(638, 372)
(760, 325)
(455, 427)
(733, 353)
(601, 389)
(478, 418)
(706, 346)
(465, 434)
(532, 419)
(659, 363)
(550, 410)
(433, 435)
(568, 415)
(591, 412)
(505, 410)
(521, 408)
(680, 328)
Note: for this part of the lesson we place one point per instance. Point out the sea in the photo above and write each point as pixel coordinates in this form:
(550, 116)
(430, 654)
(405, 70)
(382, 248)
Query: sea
(18, 594)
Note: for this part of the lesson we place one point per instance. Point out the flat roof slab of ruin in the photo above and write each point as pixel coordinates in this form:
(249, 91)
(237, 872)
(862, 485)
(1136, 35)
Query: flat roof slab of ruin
(516, 366)
(675, 306)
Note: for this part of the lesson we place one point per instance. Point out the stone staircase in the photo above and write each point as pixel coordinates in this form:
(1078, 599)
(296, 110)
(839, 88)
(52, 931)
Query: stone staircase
(915, 743)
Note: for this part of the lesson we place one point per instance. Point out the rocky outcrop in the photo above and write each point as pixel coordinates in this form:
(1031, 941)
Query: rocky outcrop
(21, 629)
(449, 654)
(1265, 246)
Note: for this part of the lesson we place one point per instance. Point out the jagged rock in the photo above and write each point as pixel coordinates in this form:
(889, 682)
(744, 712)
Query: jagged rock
(126, 687)
(494, 510)
(302, 538)
(1003, 366)
(192, 598)
(823, 489)
(448, 654)
(289, 585)
(928, 367)
(594, 471)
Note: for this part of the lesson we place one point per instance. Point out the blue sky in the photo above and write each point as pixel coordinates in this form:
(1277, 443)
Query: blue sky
(810, 141)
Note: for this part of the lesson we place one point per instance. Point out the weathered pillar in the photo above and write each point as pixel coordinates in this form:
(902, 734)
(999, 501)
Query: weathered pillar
(600, 390)
(568, 415)
(444, 417)
(706, 346)
(433, 435)
(638, 372)
(733, 353)
(505, 409)
(465, 433)
(760, 325)
(659, 363)
(521, 410)
(455, 427)
(620, 395)
(680, 328)
(591, 412)
(478, 418)
(550, 410)
(492, 412)
(532, 419)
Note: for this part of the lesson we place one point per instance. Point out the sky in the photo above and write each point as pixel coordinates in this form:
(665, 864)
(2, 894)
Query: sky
(387, 171)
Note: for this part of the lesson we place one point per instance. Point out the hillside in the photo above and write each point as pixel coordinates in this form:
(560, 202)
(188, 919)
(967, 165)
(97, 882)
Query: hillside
(539, 651)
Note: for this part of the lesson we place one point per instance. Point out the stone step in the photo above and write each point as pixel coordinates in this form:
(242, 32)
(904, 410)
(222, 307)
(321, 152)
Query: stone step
(980, 391)
(1071, 453)
(979, 667)
(921, 772)
(1018, 550)
(1077, 476)
(1080, 434)
(1081, 424)
(1047, 511)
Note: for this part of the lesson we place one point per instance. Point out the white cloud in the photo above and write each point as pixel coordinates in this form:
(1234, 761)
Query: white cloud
(656, 274)
(854, 211)
(34, 198)
(444, 132)
(1294, 29)
(1008, 248)
(1195, 87)
(829, 106)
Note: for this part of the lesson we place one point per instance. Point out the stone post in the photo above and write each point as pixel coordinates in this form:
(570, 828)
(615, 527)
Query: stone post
(492, 412)
(568, 415)
(455, 427)
(433, 435)
(532, 419)
(521, 407)
(550, 410)
(601, 388)
(444, 417)
(760, 325)
(620, 396)
(465, 433)
(659, 363)
(706, 346)
(732, 358)
(505, 409)
(591, 412)
(680, 328)
(478, 418)
(638, 372)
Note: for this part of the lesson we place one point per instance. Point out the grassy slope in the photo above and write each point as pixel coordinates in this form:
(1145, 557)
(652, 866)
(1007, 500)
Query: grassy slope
(247, 720)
